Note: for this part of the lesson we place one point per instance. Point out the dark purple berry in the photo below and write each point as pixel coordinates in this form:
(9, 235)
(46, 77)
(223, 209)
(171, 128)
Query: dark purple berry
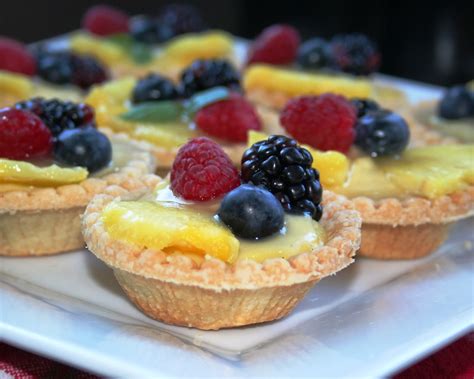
(355, 54)
(457, 102)
(154, 87)
(314, 54)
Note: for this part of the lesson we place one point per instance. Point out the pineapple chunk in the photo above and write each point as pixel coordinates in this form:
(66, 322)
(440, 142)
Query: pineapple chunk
(295, 83)
(105, 51)
(332, 165)
(24, 173)
(17, 85)
(171, 229)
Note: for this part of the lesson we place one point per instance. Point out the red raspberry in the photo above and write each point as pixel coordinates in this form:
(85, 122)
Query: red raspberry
(202, 171)
(277, 44)
(23, 135)
(104, 20)
(229, 119)
(15, 57)
(324, 122)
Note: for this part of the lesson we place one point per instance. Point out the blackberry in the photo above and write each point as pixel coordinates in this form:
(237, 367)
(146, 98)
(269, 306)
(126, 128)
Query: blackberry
(152, 88)
(181, 18)
(87, 71)
(355, 54)
(204, 74)
(457, 102)
(59, 115)
(150, 30)
(364, 106)
(283, 168)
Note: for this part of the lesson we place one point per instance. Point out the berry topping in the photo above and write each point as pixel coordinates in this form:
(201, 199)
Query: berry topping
(251, 212)
(16, 57)
(202, 171)
(64, 67)
(182, 18)
(149, 30)
(314, 54)
(355, 53)
(204, 74)
(59, 115)
(23, 135)
(457, 102)
(83, 147)
(382, 133)
(104, 20)
(324, 122)
(277, 44)
(152, 88)
(229, 119)
(284, 168)
(364, 106)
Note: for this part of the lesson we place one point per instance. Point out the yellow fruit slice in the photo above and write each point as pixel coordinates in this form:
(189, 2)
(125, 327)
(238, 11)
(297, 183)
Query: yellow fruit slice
(164, 135)
(19, 172)
(17, 85)
(332, 165)
(170, 229)
(294, 83)
(105, 51)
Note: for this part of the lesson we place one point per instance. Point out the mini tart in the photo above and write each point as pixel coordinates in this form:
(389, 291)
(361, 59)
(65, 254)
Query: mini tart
(46, 220)
(461, 130)
(214, 295)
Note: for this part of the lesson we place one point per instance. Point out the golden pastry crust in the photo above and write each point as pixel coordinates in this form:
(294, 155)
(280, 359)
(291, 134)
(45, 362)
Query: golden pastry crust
(75, 195)
(340, 221)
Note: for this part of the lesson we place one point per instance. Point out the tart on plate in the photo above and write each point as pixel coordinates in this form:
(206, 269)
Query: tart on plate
(52, 162)
(205, 251)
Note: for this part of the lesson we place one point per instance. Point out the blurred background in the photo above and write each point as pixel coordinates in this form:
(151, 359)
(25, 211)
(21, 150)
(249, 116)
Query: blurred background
(426, 41)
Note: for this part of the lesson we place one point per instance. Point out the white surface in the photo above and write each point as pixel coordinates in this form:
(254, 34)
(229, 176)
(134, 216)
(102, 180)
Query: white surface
(369, 320)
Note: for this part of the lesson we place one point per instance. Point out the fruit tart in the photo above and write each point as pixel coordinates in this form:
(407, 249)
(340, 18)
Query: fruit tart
(29, 72)
(316, 63)
(452, 115)
(407, 194)
(52, 162)
(208, 249)
(206, 101)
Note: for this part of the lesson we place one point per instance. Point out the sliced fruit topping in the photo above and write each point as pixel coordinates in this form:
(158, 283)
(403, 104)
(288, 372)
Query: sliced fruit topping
(355, 54)
(170, 229)
(230, 119)
(293, 83)
(105, 20)
(333, 166)
(154, 87)
(16, 57)
(382, 133)
(457, 102)
(277, 44)
(284, 168)
(205, 74)
(15, 84)
(202, 171)
(251, 212)
(106, 51)
(18, 172)
(23, 135)
(325, 122)
(314, 54)
(84, 147)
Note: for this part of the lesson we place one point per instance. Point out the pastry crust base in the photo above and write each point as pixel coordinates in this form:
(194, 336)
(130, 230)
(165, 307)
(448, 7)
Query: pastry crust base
(401, 242)
(44, 221)
(212, 295)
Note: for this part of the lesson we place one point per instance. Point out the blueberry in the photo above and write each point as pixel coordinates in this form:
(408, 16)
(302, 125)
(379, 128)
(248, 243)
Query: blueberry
(154, 87)
(84, 147)
(314, 54)
(381, 133)
(55, 67)
(251, 212)
(364, 106)
(457, 102)
(150, 30)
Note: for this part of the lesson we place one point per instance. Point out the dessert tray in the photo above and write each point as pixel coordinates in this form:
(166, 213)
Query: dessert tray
(370, 320)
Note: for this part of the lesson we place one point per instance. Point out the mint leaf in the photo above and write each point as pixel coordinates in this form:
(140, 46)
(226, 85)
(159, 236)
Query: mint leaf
(156, 111)
(139, 52)
(204, 98)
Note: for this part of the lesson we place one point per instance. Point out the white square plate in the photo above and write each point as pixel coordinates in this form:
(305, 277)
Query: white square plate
(369, 320)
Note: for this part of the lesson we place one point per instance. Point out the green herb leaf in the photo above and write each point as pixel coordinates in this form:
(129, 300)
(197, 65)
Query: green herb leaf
(156, 111)
(140, 52)
(204, 98)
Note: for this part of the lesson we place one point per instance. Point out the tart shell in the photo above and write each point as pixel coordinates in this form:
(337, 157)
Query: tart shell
(43, 221)
(215, 295)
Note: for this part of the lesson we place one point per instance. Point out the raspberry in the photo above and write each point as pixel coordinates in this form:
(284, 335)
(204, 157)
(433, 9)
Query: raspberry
(325, 122)
(229, 119)
(16, 57)
(104, 20)
(202, 171)
(23, 135)
(277, 44)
